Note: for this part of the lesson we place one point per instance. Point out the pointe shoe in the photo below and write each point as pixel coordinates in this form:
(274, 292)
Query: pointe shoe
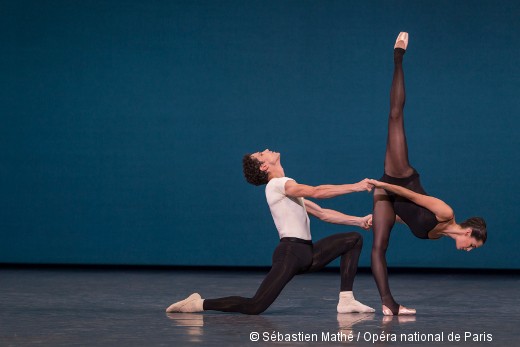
(402, 41)
(402, 311)
(177, 307)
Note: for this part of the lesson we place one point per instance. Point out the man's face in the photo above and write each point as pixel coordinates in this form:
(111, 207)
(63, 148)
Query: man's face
(267, 157)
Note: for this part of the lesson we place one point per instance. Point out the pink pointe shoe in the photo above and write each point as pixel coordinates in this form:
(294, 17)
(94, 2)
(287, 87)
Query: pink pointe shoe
(402, 40)
(403, 311)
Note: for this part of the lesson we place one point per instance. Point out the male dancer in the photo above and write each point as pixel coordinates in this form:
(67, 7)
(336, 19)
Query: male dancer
(296, 254)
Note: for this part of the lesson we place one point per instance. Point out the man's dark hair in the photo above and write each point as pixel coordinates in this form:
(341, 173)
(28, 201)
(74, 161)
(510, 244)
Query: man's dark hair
(252, 171)
(478, 228)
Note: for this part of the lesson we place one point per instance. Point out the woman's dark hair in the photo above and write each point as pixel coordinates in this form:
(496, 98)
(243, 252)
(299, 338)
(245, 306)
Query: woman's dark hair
(478, 228)
(252, 171)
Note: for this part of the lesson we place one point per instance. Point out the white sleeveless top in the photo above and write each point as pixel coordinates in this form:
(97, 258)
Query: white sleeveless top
(289, 213)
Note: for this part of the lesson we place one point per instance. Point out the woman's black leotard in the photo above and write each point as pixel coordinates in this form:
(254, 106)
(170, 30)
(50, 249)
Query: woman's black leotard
(419, 219)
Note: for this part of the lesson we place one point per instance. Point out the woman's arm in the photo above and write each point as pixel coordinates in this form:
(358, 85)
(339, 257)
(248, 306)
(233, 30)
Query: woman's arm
(437, 206)
(335, 217)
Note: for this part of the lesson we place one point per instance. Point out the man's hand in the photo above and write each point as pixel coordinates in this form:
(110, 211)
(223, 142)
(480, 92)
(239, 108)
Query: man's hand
(375, 183)
(365, 222)
(364, 185)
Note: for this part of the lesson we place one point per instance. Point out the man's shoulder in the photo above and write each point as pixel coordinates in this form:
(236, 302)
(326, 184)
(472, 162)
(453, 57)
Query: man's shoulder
(278, 181)
(277, 185)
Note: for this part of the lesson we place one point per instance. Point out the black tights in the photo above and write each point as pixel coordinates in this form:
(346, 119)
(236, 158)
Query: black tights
(294, 258)
(396, 165)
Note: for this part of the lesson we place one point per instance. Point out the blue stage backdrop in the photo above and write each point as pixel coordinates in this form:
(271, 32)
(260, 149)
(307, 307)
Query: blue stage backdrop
(124, 123)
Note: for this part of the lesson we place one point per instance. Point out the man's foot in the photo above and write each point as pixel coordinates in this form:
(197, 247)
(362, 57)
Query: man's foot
(403, 311)
(347, 304)
(402, 41)
(193, 303)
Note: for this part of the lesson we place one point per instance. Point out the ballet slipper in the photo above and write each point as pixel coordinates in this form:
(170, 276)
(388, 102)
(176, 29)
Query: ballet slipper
(347, 304)
(402, 311)
(178, 306)
(402, 41)
(354, 306)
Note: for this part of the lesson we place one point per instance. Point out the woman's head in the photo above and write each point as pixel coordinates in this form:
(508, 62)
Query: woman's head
(475, 234)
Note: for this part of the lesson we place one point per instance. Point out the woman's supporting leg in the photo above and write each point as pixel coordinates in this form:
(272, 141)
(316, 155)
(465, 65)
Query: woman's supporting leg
(383, 220)
(396, 158)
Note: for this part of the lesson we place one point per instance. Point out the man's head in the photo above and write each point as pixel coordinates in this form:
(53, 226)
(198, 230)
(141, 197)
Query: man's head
(257, 165)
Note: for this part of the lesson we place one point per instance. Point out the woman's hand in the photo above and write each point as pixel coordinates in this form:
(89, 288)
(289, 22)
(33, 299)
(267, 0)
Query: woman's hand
(375, 183)
(361, 186)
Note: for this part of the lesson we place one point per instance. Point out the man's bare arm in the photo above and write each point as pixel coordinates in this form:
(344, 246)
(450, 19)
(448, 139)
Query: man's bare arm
(335, 217)
(325, 191)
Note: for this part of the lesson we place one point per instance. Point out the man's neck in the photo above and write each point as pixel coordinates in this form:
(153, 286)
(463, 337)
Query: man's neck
(276, 172)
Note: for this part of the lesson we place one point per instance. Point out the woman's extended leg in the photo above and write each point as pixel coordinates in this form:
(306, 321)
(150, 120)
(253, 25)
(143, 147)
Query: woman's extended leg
(396, 158)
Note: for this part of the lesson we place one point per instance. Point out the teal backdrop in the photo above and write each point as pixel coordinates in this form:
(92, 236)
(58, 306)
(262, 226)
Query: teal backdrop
(124, 123)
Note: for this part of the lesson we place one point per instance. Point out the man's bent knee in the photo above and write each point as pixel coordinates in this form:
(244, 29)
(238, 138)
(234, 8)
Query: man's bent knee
(255, 308)
(358, 239)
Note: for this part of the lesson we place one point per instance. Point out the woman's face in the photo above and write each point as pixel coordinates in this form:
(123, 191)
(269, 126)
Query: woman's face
(467, 243)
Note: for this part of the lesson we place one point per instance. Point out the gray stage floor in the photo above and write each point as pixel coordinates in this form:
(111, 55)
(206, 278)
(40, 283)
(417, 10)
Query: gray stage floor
(53, 307)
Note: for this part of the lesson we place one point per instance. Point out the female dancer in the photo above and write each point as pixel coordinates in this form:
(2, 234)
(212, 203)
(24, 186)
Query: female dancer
(399, 197)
